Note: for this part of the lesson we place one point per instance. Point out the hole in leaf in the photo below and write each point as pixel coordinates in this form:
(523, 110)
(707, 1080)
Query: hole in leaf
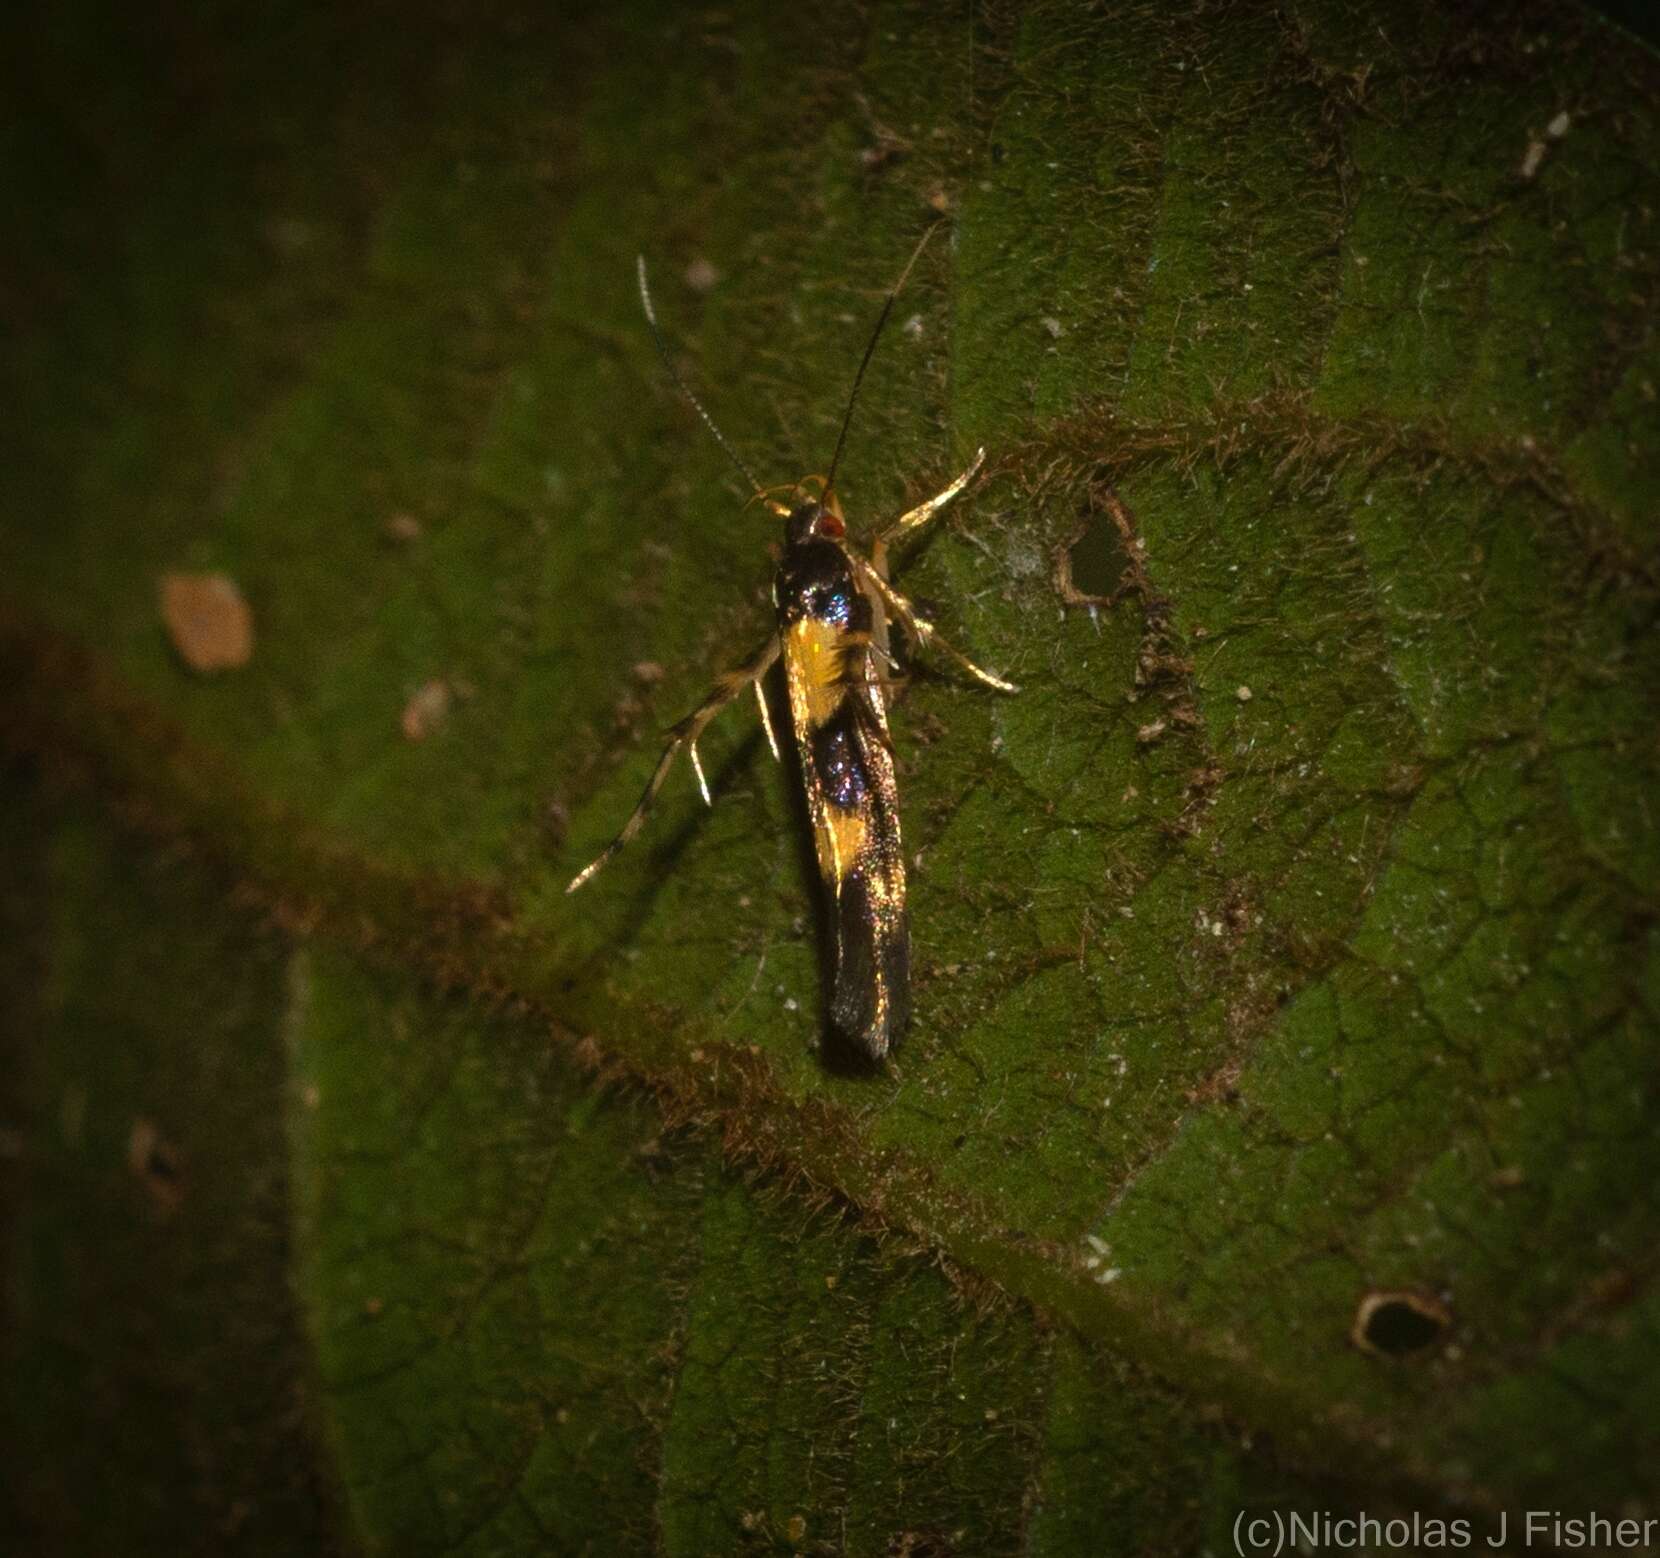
(1098, 564)
(1399, 1325)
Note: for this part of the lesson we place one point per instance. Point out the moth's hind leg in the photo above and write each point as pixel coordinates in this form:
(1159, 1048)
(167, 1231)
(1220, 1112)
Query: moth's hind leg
(686, 734)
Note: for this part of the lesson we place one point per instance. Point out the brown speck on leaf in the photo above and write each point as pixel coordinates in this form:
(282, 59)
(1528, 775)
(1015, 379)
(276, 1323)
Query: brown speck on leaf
(1222, 1085)
(1538, 145)
(701, 276)
(426, 710)
(208, 620)
(1151, 732)
(1243, 693)
(929, 728)
(940, 201)
(925, 1544)
(157, 1165)
(649, 672)
(403, 528)
(1204, 780)
(587, 1054)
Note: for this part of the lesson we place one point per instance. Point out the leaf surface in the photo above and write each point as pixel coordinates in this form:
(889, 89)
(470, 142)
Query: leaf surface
(1289, 938)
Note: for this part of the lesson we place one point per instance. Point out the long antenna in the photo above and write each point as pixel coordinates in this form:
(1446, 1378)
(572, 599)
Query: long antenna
(680, 383)
(875, 336)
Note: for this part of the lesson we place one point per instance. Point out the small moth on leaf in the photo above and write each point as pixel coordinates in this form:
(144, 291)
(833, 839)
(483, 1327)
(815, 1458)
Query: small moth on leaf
(832, 608)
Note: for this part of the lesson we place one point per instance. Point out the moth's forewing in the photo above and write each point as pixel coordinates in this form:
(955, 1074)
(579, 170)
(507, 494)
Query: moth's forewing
(840, 727)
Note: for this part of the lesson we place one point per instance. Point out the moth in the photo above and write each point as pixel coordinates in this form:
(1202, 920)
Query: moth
(832, 610)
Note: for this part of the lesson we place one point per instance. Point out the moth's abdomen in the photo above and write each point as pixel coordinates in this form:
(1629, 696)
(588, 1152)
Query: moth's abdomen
(856, 824)
(870, 997)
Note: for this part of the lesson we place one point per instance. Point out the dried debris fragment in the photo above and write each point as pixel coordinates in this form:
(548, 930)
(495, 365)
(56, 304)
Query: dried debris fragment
(1538, 145)
(207, 620)
(701, 276)
(157, 1165)
(426, 710)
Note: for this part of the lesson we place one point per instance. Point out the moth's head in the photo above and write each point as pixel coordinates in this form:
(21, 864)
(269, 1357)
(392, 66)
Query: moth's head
(812, 521)
(815, 519)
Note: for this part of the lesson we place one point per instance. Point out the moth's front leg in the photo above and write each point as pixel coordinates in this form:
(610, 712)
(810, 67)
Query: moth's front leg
(923, 512)
(923, 632)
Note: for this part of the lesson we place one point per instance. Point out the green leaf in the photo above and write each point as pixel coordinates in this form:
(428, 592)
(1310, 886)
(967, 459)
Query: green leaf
(155, 1368)
(1289, 939)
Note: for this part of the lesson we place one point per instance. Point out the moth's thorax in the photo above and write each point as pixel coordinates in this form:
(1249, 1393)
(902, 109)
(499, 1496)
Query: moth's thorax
(815, 581)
